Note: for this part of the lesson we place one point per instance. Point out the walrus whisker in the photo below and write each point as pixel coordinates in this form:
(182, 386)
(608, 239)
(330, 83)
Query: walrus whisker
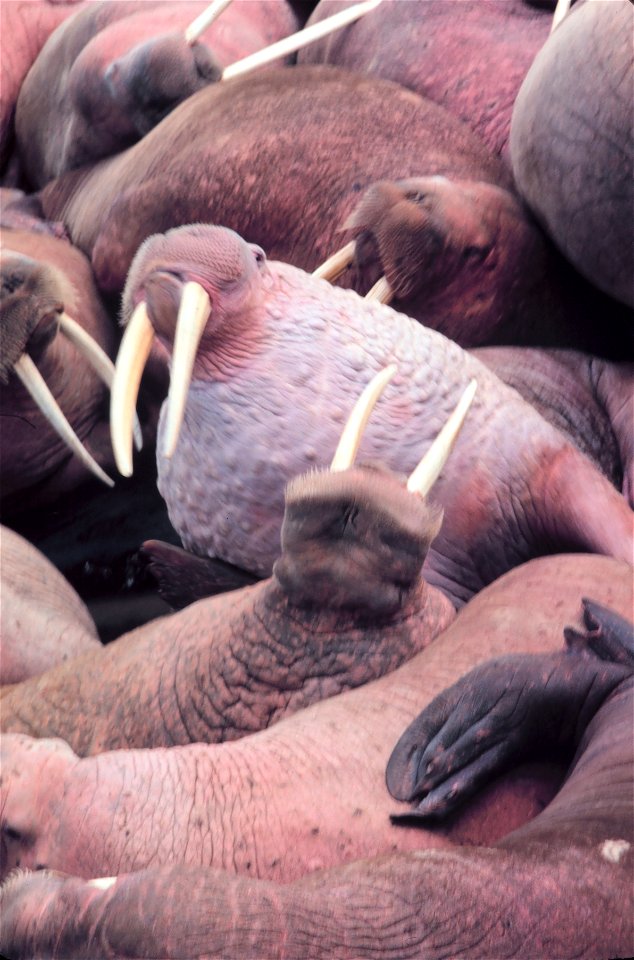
(422, 479)
(134, 350)
(298, 40)
(353, 431)
(35, 384)
(204, 20)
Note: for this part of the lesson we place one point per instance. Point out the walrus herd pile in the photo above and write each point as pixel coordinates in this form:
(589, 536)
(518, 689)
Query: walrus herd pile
(317, 397)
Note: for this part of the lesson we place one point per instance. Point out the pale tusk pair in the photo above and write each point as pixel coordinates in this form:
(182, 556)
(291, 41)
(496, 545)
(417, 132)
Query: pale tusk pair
(136, 343)
(283, 47)
(334, 266)
(422, 479)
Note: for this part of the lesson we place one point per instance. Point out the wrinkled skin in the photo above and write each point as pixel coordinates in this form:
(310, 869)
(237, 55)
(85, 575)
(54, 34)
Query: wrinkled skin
(512, 488)
(115, 70)
(43, 621)
(469, 57)
(41, 276)
(309, 792)
(559, 886)
(467, 259)
(572, 147)
(589, 400)
(346, 605)
(282, 163)
(28, 23)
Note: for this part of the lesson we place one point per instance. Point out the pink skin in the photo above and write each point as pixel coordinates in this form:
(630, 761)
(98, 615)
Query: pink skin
(224, 483)
(309, 792)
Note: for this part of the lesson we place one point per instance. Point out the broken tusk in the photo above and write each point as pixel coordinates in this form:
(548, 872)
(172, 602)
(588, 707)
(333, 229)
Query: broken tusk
(204, 20)
(353, 430)
(381, 291)
(300, 39)
(193, 314)
(134, 350)
(96, 357)
(428, 470)
(34, 382)
(562, 8)
(334, 266)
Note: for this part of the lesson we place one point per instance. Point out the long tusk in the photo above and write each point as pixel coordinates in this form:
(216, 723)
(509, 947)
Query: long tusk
(562, 8)
(381, 291)
(96, 357)
(300, 39)
(37, 388)
(193, 314)
(134, 350)
(204, 20)
(428, 470)
(334, 266)
(353, 430)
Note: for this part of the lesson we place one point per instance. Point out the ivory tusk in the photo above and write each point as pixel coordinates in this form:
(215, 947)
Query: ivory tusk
(96, 357)
(381, 291)
(134, 350)
(300, 39)
(334, 266)
(33, 381)
(562, 8)
(428, 470)
(102, 883)
(193, 314)
(353, 430)
(204, 20)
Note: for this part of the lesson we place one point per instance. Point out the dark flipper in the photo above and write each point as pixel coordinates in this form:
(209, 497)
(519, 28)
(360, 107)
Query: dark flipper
(183, 577)
(503, 712)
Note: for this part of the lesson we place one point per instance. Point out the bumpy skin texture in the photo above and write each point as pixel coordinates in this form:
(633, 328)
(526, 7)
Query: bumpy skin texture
(589, 400)
(282, 162)
(28, 23)
(41, 275)
(114, 71)
(307, 793)
(572, 146)
(43, 621)
(346, 605)
(470, 57)
(512, 488)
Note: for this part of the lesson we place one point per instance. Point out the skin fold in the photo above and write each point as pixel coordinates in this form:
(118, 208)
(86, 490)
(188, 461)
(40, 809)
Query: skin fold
(308, 793)
(507, 491)
(114, 71)
(345, 605)
(43, 622)
(560, 886)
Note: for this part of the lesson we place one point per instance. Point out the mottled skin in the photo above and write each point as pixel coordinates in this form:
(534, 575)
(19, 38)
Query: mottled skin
(468, 259)
(346, 605)
(469, 57)
(588, 399)
(41, 276)
(572, 146)
(309, 792)
(116, 69)
(28, 23)
(513, 487)
(558, 887)
(43, 622)
(282, 163)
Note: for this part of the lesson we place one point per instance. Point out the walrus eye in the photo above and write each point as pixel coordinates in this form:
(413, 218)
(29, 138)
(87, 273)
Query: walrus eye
(416, 196)
(476, 254)
(12, 281)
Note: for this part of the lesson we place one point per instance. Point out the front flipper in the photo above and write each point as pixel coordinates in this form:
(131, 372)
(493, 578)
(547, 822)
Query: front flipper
(183, 577)
(505, 711)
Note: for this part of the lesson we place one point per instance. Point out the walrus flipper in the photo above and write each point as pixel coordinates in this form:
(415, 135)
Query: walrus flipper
(184, 578)
(505, 711)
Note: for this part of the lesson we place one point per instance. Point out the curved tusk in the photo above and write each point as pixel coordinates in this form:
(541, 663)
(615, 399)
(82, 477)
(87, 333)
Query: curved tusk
(34, 382)
(300, 39)
(562, 8)
(381, 291)
(204, 20)
(353, 430)
(334, 266)
(134, 350)
(193, 314)
(96, 357)
(428, 470)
